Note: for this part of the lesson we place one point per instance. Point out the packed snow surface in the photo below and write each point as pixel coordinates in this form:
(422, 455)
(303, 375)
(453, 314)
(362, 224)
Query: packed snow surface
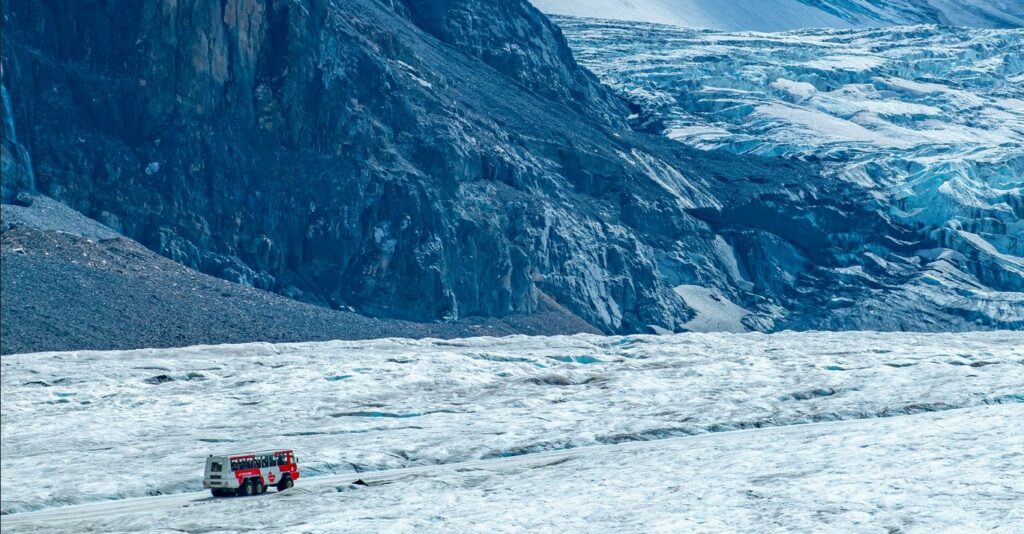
(147, 419)
(780, 15)
(954, 471)
(713, 312)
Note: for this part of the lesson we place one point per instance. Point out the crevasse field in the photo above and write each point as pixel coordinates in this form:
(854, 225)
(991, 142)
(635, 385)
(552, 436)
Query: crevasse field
(707, 432)
(928, 121)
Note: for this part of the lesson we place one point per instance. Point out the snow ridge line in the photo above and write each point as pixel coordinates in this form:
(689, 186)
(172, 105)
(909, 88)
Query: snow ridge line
(657, 434)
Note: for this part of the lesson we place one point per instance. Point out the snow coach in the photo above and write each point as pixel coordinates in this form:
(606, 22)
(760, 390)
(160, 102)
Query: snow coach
(250, 473)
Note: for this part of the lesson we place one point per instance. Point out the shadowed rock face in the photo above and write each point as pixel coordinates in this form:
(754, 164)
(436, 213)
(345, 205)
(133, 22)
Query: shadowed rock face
(70, 283)
(426, 160)
(420, 160)
(15, 163)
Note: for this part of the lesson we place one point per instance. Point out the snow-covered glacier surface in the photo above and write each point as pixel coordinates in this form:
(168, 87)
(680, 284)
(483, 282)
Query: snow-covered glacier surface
(954, 471)
(146, 419)
(927, 120)
(780, 15)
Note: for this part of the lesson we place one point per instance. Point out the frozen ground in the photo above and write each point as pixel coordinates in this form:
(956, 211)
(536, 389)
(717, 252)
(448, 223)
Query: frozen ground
(146, 419)
(953, 471)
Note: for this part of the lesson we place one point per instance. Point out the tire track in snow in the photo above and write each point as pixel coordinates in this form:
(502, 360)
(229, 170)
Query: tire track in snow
(55, 517)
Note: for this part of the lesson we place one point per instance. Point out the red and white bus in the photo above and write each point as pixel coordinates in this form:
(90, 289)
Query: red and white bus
(250, 473)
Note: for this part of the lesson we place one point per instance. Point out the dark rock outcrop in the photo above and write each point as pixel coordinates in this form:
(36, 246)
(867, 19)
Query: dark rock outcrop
(70, 283)
(15, 163)
(414, 160)
(418, 160)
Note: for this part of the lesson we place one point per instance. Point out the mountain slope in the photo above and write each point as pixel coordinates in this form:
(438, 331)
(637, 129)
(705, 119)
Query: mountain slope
(407, 165)
(438, 162)
(780, 15)
(70, 283)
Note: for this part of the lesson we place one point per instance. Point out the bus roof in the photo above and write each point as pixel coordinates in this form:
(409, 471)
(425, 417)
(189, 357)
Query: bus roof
(252, 453)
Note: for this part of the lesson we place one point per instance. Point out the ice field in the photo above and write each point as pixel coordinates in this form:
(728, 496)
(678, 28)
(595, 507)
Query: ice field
(96, 427)
(952, 471)
(780, 15)
(930, 119)
(925, 121)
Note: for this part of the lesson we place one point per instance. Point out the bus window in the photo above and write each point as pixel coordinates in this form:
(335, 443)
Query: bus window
(215, 467)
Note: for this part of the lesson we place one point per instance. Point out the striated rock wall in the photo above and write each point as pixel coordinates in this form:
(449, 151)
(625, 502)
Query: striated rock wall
(440, 160)
(15, 164)
(335, 152)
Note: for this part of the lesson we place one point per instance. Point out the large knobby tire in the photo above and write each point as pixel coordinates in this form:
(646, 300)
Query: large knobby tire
(258, 488)
(285, 483)
(247, 489)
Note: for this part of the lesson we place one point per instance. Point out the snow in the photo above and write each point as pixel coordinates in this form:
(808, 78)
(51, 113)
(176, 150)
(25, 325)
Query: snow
(925, 120)
(147, 419)
(855, 63)
(780, 15)
(903, 473)
(714, 312)
(798, 90)
(671, 180)
(802, 126)
(762, 15)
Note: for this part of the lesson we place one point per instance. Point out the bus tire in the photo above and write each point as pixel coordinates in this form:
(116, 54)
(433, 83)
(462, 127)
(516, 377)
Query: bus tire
(258, 488)
(285, 483)
(246, 489)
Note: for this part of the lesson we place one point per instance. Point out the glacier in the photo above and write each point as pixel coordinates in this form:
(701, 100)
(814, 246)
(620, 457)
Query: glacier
(781, 15)
(524, 420)
(370, 405)
(927, 121)
(942, 472)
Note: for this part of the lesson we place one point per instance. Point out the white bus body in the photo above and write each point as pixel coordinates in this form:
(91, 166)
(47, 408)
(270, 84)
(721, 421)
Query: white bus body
(250, 473)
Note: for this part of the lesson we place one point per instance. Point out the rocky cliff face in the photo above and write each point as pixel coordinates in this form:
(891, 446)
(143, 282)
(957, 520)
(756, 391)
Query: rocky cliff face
(15, 163)
(419, 160)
